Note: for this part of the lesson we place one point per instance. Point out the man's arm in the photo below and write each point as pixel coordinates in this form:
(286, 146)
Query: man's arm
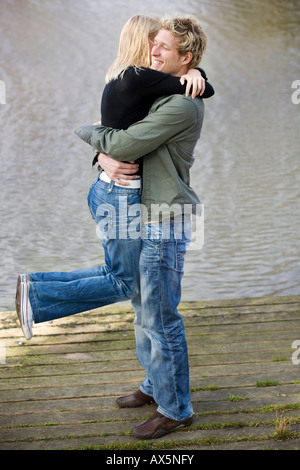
(118, 171)
(141, 138)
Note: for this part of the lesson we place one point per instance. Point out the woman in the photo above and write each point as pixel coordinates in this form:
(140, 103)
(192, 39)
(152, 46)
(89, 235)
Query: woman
(130, 91)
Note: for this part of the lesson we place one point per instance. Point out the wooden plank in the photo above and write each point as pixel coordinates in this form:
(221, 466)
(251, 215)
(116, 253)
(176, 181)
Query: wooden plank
(95, 374)
(58, 390)
(94, 366)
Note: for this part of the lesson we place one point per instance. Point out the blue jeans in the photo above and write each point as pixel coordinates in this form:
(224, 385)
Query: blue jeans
(159, 329)
(59, 294)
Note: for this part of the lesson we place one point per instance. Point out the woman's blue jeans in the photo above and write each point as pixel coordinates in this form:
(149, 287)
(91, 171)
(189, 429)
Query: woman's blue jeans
(59, 294)
(158, 269)
(159, 329)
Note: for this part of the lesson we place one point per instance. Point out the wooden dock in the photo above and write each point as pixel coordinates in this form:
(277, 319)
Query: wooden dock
(58, 390)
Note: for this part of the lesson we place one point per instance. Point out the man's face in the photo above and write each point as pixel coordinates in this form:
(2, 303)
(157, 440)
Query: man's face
(165, 56)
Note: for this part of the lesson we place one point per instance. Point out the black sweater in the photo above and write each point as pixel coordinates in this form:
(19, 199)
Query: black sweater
(128, 99)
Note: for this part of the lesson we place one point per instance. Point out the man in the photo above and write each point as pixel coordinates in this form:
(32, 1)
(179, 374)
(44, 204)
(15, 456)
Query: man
(166, 138)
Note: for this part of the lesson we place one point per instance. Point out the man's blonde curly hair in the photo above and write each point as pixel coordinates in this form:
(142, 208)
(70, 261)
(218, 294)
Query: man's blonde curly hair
(190, 35)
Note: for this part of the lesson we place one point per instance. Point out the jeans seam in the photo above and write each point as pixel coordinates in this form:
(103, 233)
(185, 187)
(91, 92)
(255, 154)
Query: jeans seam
(163, 326)
(164, 412)
(33, 303)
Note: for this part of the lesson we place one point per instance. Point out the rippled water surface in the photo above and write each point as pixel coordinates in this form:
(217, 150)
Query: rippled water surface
(54, 55)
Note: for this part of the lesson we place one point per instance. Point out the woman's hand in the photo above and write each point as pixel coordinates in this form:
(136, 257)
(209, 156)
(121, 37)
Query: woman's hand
(193, 79)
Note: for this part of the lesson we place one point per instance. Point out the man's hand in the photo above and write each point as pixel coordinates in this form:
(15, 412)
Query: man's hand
(194, 79)
(118, 171)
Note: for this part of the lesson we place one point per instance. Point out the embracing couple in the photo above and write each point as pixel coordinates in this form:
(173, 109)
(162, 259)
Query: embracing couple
(151, 118)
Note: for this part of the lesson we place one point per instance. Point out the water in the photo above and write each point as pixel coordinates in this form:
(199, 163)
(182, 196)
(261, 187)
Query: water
(54, 55)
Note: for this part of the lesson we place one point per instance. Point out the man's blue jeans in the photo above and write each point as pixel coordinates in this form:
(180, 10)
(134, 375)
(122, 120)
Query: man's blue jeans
(159, 329)
(59, 294)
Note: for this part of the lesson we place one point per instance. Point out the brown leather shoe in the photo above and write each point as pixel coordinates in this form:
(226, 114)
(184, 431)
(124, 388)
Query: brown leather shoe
(134, 400)
(158, 425)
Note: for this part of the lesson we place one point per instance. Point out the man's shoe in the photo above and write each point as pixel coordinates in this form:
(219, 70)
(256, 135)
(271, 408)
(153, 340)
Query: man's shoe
(134, 400)
(23, 306)
(158, 425)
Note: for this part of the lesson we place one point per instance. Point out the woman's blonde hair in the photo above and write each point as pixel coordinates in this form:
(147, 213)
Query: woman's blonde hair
(134, 50)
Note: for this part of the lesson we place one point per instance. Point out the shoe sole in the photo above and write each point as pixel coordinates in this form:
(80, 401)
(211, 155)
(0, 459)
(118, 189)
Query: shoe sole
(162, 432)
(18, 304)
(133, 404)
(22, 306)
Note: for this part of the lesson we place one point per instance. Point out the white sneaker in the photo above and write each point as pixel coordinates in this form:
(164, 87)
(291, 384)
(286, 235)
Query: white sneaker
(23, 306)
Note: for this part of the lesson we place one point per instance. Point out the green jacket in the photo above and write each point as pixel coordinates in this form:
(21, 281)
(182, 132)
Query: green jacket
(166, 138)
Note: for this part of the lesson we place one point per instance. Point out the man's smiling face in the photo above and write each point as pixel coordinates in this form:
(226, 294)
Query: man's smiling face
(165, 56)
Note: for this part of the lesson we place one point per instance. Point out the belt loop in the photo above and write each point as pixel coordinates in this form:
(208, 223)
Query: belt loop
(110, 186)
